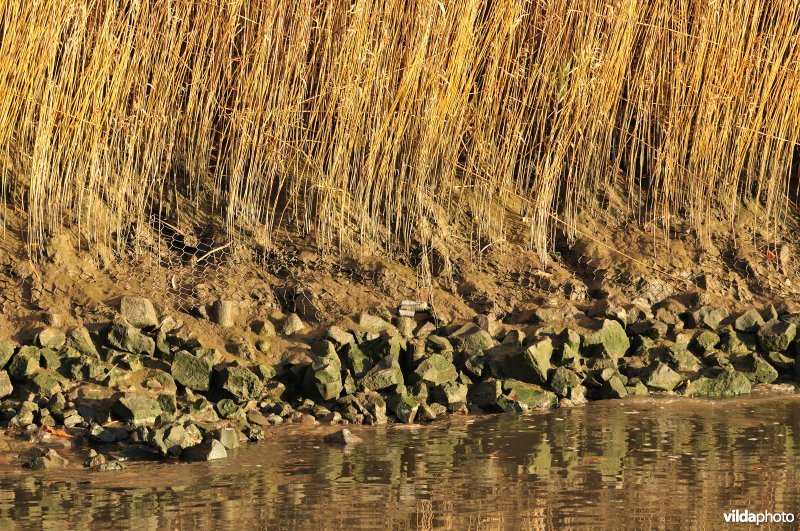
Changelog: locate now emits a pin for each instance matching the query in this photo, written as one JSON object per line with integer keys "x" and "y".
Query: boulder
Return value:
{"x": 705, "y": 341}
{"x": 224, "y": 313}
{"x": 727, "y": 383}
{"x": 138, "y": 409}
{"x": 138, "y": 311}
{"x": 681, "y": 359}
{"x": 563, "y": 380}
{"x": 749, "y": 322}
{"x": 51, "y": 338}
{"x": 404, "y": 407}
{"x": 661, "y": 377}
{"x": 531, "y": 365}
{"x": 385, "y": 374}
{"x": 343, "y": 437}
{"x": 756, "y": 369}
{"x": 227, "y": 408}
{"x": 529, "y": 396}
{"x": 451, "y": 394}
{"x": 355, "y": 360}
{"x": 609, "y": 340}
{"x": 5, "y": 385}
{"x": 205, "y": 451}
{"x": 240, "y": 383}
{"x": 435, "y": 370}
{"x": 775, "y": 335}
{"x": 128, "y": 338}
{"x": 7, "y": 349}
{"x": 471, "y": 339}
{"x": 614, "y": 388}
{"x": 46, "y": 383}
{"x": 292, "y": 325}
{"x": 191, "y": 371}
{"x": 323, "y": 383}
{"x": 486, "y": 393}
{"x": 24, "y": 363}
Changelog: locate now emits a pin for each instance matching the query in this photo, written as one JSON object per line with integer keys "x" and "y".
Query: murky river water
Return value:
{"x": 642, "y": 464}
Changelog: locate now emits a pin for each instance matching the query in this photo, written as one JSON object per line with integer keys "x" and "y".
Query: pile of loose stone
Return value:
{"x": 140, "y": 382}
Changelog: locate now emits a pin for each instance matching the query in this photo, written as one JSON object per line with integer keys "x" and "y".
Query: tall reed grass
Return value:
{"x": 389, "y": 125}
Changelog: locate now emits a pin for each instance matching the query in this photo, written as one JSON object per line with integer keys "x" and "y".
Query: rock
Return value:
{"x": 529, "y": 396}
{"x": 175, "y": 438}
{"x": 563, "y": 380}
{"x": 138, "y": 409}
{"x": 756, "y": 369}
{"x": 727, "y": 383}
{"x": 191, "y": 371}
{"x": 438, "y": 344}
{"x": 404, "y": 407}
{"x": 451, "y": 394}
{"x": 749, "y": 322}
{"x": 383, "y": 346}
{"x": 339, "y": 337}
{"x": 609, "y": 341}
{"x": 128, "y": 338}
{"x": 224, "y": 313}
{"x": 240, "y": 383}
{"x": 531, "y": 365}
{"x": 25, "y": 415}
{"x": 46, "y": 383}
{"x": 775, "y": 335}
{"x": 710, "y": 317}
{"x": 227, "y": 408}
{"x": 614, "y": 388}
{"x": 486, "y": 393}
{"x": 705, "y": 341}
{"x": 228, "y": 437}
{"x": 471, "y": 339}
{"x": 323, "y": 379}
{"x": 436, "y": 370}
{"x": 372, "y": 322}
{"x": 139, "y": 312}
{"x": 205, "y": 451}
{"x": 385, "y": 374}
{"x": 50, "y": 359}
{"x": 681, "y": 359}
{"x": 50, "y": 459}
{"x": 24, "y": 363}
{"x": 114, "y": 466}
{"x": 662, "y": 377}
{"x": 51, "y": 338}
{"x": 5, "y": 385}
{"x": 292, "y": 325}
{"x": 781, "y": 362}
{"x": 355, "y": 360}
{"x": 6, "y": 352}
{"x": 343, "y": 437}
{"x": 103, "y": 435}
{"x": 372, "y": 406}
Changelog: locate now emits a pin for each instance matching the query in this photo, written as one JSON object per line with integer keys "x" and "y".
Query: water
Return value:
{"x": 639, "y": 463}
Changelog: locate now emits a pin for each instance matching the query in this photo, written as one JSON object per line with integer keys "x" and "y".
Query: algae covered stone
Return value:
{"x": 661, "y": 377}
{"x": 775, "y": 335}
{"x": 192, "y": 371}
{"x": 240, "y": 383}
{"x": 727, "y": 383}
{"x": 609, "y": 340}
{"x": 436, "y": 370}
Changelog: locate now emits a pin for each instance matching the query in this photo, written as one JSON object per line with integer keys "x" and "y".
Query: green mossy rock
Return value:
{"x": 385, "y": 374}
{"x": 240, "y": 383}
{"x": 607, "y": 341}
{"x": 191, "y": 371}
{"x": 128, "y": 338}
{"x": 24, "y": 363}
{"x": 661, "y": 377}
{"x": 727, "y": 383}
{"x": 435, "y": 370}
{"x": 775, "y": 336}
{"x": 564, "y": 379}
{"x": 529, "y": 396}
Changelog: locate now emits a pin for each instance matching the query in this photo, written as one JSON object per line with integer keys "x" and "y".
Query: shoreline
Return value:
{"x": 139, "y": 383}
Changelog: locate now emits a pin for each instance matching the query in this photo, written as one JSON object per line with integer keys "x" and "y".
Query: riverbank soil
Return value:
{"x": 177, "y": 347}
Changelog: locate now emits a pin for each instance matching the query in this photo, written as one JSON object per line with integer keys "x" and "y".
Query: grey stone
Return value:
{"x": 205, "y": 451}
{"x": 339, "y": 336}
{"x": 705, "y": 341}
{"x": 51, "y": 338}
{"x": 292, "y": 325}
{"x": 451, "y": 394}
{"x": 355, "y": 360}
{"x": 228, "y": 437}
{"x": 191, "y": 371}
{"x": 240, "y": 383}
{"x": 138, "y": 409}
{"x": 7, "y": 349}
{"x": 372, "y": 322}
{"x": 471, "y": 339}
{"x": 749, "y": 322}
{"x": 775, "y": 335}
{"x": 24, "y": 363}
{"x": 385, "y": 374}
{"x": 609, "y": 340}
{"x": 727, "y": 383}
{"x": 436, "y": 370}
{"x": 5, "y": 385}
{"x": 486, "y": 393}
{"x": 661, "y": 377}
{"x": 529, "y": 396}
{"x": 562, "y": 380}
{"x": 342, "y": 437}
{"x": 224, "y": 313}
{"x": 139, "y": 312}
{"x": 128, "y": 338}
{"x": 46, "y": 383}
{"x": 404, "y": 407}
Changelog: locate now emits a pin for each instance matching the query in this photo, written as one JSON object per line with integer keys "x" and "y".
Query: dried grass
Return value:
{"x": 390, "y": 125}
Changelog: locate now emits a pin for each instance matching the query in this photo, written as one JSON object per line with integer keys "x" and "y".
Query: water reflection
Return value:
{"x": 640, "y": 463}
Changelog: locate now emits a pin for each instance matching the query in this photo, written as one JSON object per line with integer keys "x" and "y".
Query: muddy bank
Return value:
{"x": 144, "y": 387}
